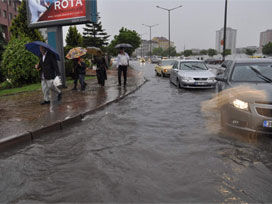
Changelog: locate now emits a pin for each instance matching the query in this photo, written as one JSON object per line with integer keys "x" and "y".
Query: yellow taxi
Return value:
{"x": 163, "y": 68}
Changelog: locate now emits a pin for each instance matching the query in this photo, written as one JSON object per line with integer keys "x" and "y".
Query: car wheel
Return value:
{"x": 156, "y": 73}
{"x": 162, "y": 75}
{"x": 178, "y": 84}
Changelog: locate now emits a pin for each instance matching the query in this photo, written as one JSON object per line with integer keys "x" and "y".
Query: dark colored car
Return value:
{"x": 247, "y": 109}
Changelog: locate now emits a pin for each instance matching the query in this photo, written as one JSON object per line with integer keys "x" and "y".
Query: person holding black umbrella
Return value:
{"x": 122, "y": 64}
{"x": 49, "y": 70}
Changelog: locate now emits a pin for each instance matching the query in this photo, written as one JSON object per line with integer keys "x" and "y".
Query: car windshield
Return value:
{"x": 167, "y": 62}
{"x": 252, "y": 73}
{"x": 192, "y": 66}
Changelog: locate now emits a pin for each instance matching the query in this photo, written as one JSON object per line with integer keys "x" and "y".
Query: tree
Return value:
{"x": 227, "y": 52}
{"x": 173, "y": 52}
{"x": 73, "y": 39}
{"x": 250, "y": 52}
{"x": 203, "y": 52}
{"x": 267, "y": 49}
{"x": 18, "y": 63}
{"x": 125, "y": 36}
{"x": 157, "y": 51}
{"x": 188, "y": 53}
{"x": 19, "y": 26}
{"x": 212, "y": 52}
{"x": 94, "y": 35}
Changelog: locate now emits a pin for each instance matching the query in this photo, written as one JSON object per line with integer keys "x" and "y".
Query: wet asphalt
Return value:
{"x": 156, "y": 145}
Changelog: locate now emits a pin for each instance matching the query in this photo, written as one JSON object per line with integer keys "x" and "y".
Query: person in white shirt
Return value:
{"x": 122, "y": 64}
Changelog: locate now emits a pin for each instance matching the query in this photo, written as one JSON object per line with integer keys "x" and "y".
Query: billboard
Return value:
{"x": 46, "y": 13}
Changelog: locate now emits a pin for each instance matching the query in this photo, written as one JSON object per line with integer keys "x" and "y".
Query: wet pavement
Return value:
{"x": 154, "y": 146}
{"x": 22, "y": 113}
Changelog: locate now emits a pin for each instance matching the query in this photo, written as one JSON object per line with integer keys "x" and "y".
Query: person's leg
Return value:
{"x": 45, "y": 90}
{"x": 119, "y": 75}
{"x": 75, "y": 84}
{"x": 125, "y": 75}
{"x": 81, "y": 81}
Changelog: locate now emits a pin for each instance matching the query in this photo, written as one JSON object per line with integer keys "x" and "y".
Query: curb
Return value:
{"x": 28, "y": 137}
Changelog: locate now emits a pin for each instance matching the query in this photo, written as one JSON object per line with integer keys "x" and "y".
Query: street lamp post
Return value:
{"x": 142, "y": 43}
{"x": 169, "y": 24}
{"x": 225, "y": 27}
{"x": 150, "y": 26}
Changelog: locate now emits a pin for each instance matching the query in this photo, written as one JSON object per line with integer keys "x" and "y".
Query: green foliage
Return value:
{"x": 94, "y": 35}
{"x": 203, "y": 52}
{"x": 125, "y": 36}
{"x": 173, "y": 52}
{"x": 18, "y": 63}
{"x": 188, "y": 53}
{"x": 73, "y": 37}
{"x": 157, "y": 51}
{"x": 19, "y": 26}
{"x": 250, "y": 52}
{"x": 227, "y": 52}
{"x": 212, "y": 52}
{"x": 267, "y": 49}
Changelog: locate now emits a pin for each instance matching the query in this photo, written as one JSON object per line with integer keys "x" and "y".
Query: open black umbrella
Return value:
{"x": 34, "y": 47}
{"x": 123, "y": 45}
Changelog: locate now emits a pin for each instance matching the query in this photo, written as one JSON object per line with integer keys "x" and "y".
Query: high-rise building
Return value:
{"x": 230, "y": 40}
{"x": 265, "y": 38}
{"x": 8, "y": 11}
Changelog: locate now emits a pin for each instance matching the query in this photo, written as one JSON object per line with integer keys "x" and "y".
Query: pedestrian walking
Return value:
{"x": 81, "y": 67}
{"x": 48, "y": 71}
{"x": 75, "y": 73}
{"x": 122, "y": 64}
{"x": 101, "y": 70}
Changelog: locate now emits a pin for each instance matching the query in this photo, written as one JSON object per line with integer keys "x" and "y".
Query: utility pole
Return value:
{"x": 150, "y": 26}
{"x": 225, "y": 28}
{"x": 169, "y": 10}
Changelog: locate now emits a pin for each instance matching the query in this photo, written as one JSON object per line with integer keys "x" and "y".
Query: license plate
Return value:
{"x": 267, "y": 123}
{"x": 200, "y": 83}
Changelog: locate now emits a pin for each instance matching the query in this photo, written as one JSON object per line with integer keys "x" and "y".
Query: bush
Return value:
{"x": 18, "y": 64}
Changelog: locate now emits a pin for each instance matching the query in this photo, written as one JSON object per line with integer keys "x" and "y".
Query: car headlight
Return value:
{"x": 240, "y": 104}
{"x": 165, "y": 70}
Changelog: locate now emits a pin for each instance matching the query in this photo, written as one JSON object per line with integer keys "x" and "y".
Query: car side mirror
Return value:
{"x": 223, "y": 65}
{"x": 220, "y": 78}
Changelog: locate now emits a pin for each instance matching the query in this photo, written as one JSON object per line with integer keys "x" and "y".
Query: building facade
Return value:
{"x": 163, "y": 42}
{"x": 265, "y": 38}
{"x": 230, "y": 40}
{"x": 144, "y": 49}
{"x": 8, "y": 11}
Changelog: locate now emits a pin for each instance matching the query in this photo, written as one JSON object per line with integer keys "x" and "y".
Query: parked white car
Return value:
{"x": 192, "y": 74}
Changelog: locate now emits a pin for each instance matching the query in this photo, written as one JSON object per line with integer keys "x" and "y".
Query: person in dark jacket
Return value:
{"x": 101, "y": 70}
{"x": 75, "y": 73}
{"x": 81, "y": 67}
{"x": 49, "y": 70}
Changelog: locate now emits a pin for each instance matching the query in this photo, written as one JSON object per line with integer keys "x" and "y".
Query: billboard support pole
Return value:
{"x": 55, "y": 39}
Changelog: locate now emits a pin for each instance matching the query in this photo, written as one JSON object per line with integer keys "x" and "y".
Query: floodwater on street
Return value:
{"x": 153, "y": 146}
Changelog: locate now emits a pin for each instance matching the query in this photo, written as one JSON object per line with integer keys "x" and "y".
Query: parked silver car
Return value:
{"x": 192, "y": 74}
{"x": 247, "y": 109}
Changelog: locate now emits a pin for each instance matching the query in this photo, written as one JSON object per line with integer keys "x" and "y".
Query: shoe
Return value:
{"x": 74, "y": 89}
{"x": 59, "y": 96}
{"x": 45, "y": 102}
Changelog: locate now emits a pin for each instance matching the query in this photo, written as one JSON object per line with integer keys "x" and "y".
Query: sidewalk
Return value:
{"x": 23, "y": 119}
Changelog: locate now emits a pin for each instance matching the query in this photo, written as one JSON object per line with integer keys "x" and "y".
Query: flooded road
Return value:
{"x": 153, "y": 146}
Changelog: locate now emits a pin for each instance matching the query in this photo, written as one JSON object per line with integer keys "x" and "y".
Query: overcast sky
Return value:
{"x": 193, "y": 25}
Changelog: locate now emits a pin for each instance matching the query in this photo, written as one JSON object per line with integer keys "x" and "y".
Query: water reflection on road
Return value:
{"x": 153, "y": 146}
